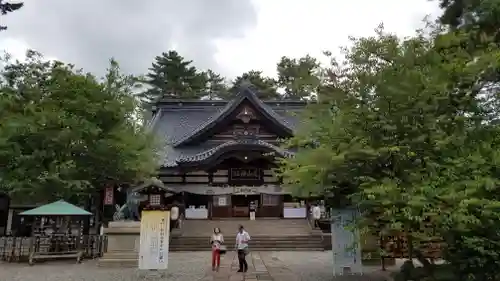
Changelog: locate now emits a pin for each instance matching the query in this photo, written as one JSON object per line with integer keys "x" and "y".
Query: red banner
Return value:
{"x": 109, "y": 196}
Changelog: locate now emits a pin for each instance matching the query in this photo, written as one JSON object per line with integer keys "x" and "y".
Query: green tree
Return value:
{"x": 6, "y": 7}
{"x": 405, "y": 128}
{"x": 216, "y": 85}
{"x": 265, "y": 86}
{"x": 172, "y": 76}
{"x": 478, "y": 17}
{"x": 298, "y": 77}
{"x": 65, "y": 133}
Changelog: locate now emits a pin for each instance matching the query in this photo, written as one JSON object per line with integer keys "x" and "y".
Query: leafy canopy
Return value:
{"x": 406, "y": 130}
{"x": 65, "y": 133}
{"x": 7, "y": 7}
{"x": 299, "y": 78}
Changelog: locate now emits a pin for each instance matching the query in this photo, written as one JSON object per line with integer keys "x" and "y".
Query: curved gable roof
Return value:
{"x": 234, "y": 145}
{"x": 245, "y": 94}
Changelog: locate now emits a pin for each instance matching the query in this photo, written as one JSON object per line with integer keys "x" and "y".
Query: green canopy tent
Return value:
{"x": 58, "y": 208}
{"x": 57, "y": 246}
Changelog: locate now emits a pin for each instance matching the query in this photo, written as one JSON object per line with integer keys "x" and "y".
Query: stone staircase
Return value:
{"x": 123, "y": 245}
{"x": 266, "y": 234}
{"x": 124, "y": 258}
{"x": 269, "y": 227}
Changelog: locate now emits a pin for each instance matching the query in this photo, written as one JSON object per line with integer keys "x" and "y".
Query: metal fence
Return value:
{"x": 18, "y": 249}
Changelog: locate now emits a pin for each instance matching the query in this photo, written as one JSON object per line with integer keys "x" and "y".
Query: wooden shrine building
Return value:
{"x": 220, "y": 154}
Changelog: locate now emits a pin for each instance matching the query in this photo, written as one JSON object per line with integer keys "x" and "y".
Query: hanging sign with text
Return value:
{"x": 245, "y": 190}
{"x": 109, "y": 196}
{"x": 245, "y": 174}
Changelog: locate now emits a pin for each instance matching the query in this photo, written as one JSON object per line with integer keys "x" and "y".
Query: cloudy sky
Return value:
{"x": 229, "y": 36}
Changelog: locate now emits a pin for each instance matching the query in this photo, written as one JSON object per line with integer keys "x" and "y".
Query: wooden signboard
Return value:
{"x": 109, "y": 196}
{"x": 245, "y": 174}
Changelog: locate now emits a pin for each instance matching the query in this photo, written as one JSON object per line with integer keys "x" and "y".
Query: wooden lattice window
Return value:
{"x": 270, "y": 200}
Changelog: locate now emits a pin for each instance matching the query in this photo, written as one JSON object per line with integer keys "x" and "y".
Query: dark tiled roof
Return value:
{"x": 246, "y": 93}
{"x": 178, "y": 120}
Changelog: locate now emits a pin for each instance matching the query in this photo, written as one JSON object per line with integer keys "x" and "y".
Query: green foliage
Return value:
{"x": 298, "y": 77}
{"x": 478, "y": 17}
{"x": 407, "y": 124}
{"x": 266, "y": 86}
{"x": 7, "y": 7}
{"x": 65, "y": 133}
{"x": 172, "y": 76}
{"x": 216, "y": 86}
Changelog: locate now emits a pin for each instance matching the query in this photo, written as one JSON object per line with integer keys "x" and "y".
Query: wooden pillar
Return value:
{"x": 282, "y": 205}
{"x": 210, "y": 205}
{"x": 183, "y": 203}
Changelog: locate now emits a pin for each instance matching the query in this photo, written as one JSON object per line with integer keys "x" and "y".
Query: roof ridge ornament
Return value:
{"x": 246, "y": 87}
{"x": 246, "y": 115}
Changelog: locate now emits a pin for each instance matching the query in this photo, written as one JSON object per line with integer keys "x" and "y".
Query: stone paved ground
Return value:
{"x": 194, "y": 266}
{"x": 182, "y": 267}
{"x": 317, "y": 266}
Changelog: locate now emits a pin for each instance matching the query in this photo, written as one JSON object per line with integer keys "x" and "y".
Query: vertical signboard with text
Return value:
{"x": 346, "y": 246}
{"x": 109, "y": 195}
{"x": 154, "y": 240}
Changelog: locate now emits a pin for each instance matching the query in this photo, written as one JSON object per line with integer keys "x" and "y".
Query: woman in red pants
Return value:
{"x": 217, "y": 240}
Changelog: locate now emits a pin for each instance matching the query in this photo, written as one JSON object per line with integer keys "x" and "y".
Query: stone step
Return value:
{"x": 253, "y": 242}
{"x": 256, "y": 237}
{"x": 305, "y": 242}
{"x": 258, "y": 243}
{"x": 274, "y": 249}
{"x": 122, "y": 263}
{"x": 283, "y": 246}
{"x": 124, "y": 255}
{"x": 257, "y": 227}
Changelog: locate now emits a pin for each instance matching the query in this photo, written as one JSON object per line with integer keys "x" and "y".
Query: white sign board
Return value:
{"x": 345, "y": 243}
{"x": 153, "y": 248}
{"x": 222, "y": 201}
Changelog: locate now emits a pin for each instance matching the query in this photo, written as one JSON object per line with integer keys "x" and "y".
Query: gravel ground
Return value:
{"x": 182, "y": 267}
{"x": 317, "y": 266}
{"x": 192, "y": 266}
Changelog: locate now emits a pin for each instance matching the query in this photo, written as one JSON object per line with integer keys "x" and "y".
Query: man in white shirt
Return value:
{"x": 316, "y": 212}
{"x": 253, "y": 208}
{"x": 174, "y": 216}
{"x": 242, "y": 239}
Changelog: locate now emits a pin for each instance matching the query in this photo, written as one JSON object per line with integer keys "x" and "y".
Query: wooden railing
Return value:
{"x": 20, "y": 248}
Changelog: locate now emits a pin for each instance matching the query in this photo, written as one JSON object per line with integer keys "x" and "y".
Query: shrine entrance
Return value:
{"x": 241, "y": 204}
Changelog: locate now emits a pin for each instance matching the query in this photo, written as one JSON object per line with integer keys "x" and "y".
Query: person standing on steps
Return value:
{"x": 216, "y": 240}
{"x": 174, "y": 216}
{"x": 316, "y": 212}
{"x": 252, "y": 208}
{"x": 242, "y": 239}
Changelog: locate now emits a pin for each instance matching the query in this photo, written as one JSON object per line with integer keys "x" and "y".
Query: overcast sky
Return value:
{"x": 229, "y": 36}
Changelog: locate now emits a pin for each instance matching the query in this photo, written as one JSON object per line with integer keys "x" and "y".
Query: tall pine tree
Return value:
{"x": 216, "y": 86}
{"x": 172, "y": 76}
{"x": 7, "y": 8}
{"x": 266, "y": 86}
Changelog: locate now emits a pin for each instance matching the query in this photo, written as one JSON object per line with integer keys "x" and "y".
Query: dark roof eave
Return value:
{"x": 204, "y": 103}
{"x": 241, "y": 145}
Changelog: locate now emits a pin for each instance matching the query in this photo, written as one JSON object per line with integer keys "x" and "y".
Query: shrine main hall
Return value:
{"x": 219, "y": 155}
